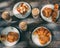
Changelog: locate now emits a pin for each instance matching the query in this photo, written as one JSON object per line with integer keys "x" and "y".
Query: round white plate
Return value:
{"x": 17, "y": 14}
{"x": 45, "y": 18}
{"x": 35, "y": 39}
{"x": 6, "y": 31}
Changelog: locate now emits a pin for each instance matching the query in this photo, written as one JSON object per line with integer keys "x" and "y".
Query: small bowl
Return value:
{"x": 45, "y": 18}
{"x": 17, "y": 14}
{"x": 36, "y": 41}
{"x": 6, "y": 31}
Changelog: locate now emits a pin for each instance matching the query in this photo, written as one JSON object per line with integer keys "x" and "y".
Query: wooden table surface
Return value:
{"x": 25, "y": 40}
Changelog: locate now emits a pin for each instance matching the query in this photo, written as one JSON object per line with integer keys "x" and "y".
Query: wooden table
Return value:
{"x": 25, "y": 40}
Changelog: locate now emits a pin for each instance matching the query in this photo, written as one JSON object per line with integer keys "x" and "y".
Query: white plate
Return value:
{"x": 45, "y": 18}
{"x": 17, "y": 14}
{"x": 35, "y": 38}
{"x": 6, "y": 31}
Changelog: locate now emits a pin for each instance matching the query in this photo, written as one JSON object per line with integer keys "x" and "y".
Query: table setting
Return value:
{"x": 30, "y": 24}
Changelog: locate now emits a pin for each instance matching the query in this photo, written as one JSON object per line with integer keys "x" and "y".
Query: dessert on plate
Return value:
{"x": 50, "y": 12}
{"x": 41, "y": 36}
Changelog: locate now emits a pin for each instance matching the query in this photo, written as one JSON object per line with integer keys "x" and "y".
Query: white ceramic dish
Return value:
{"x": 35, "y": 39}
{"x": 17, "y": 14}
{"x": 6, "y": 31}
{"x": 45, "y": 18}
